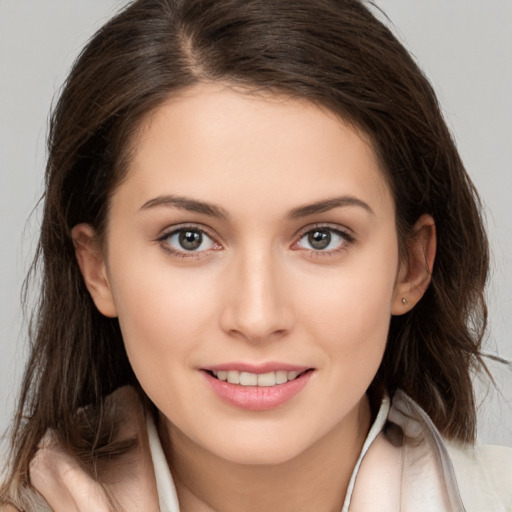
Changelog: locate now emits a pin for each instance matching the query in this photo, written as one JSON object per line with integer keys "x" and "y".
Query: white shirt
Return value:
{"x": 405, "y": 465}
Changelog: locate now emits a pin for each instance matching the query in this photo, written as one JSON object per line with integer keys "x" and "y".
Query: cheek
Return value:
{"x": 353, "y": 324}
{"x": 163, "y": 314}
{"x": 351, "y": 311}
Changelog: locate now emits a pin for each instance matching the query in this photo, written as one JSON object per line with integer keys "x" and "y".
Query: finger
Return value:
{"x": 64, "y": 484}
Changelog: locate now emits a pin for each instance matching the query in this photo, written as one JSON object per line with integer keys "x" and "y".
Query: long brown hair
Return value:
{"x": 334, "y": 53}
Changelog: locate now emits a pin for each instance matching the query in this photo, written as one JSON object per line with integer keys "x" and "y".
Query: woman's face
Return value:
{"x": 253, "y": 237}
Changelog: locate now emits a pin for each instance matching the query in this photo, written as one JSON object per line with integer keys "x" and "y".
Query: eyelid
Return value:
{"x": 171, "y": 230}
{"x": 342, "y": 230}
{"x": 345, "y": 233}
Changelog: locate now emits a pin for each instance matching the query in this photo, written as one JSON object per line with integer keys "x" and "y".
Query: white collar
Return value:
{"x": 168, "y": 498}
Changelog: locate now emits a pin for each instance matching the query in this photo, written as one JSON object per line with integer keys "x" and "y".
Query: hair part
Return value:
{"x": 333, "y": 53}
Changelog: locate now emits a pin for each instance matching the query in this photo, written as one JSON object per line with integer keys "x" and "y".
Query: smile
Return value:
{"x": 268, "y": 379}
{"x": 257, "y": 391}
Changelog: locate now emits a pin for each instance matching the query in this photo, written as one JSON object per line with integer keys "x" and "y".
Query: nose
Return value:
{"x": 257, "y": 305}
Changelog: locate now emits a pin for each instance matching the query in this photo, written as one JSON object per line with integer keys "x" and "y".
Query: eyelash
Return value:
{"x": 348, "y": 239}
{"x": 163, "y": 240}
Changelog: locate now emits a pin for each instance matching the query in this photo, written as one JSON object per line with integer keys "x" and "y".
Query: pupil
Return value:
{"x": 319, "y": 239}
{"x": 190, "y": 240}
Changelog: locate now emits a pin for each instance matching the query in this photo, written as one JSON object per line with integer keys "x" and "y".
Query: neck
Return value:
{"x": 316, "y": 479}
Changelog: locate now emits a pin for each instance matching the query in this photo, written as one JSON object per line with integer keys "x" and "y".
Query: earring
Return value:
{"x": 404, "y": 301}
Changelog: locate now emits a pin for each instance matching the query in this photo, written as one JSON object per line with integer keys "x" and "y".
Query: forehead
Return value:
{"x": 220, "y": 145}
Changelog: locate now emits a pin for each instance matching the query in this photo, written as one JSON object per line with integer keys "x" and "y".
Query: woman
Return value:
{"x": 263, "y": 275}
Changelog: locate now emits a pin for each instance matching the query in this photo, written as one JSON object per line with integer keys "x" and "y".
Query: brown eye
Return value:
{"x": 319, "y": 239}
{"x": 190, "y": 240}
{"x": 324, "y": 239}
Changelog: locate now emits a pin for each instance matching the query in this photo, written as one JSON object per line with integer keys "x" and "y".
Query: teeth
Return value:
{"x": 256, "y": 379}
{"x": 267, "y": 379}
{"x": 234, "y": 377}
{"x": 248, "y": 379}
{"x": 281, "y": 377}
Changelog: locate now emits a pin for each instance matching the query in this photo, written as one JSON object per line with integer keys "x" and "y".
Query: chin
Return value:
{"x": 261, "y": 455}
{"x": 262, "y": 449}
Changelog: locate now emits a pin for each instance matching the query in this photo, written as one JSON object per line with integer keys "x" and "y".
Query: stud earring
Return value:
{"x": 404, "y": 301}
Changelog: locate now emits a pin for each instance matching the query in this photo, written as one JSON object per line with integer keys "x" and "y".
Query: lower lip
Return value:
{"x": 257, "y": 398}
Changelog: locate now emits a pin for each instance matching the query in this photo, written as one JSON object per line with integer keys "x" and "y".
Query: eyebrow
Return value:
{"x": 192, "y": 205}
{"x": 329, "y": 204}
{"x": 185, "y": 203}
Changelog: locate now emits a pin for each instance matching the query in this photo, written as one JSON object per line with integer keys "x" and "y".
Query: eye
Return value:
{"x": 187, "y": 240}
{"x": 324, "y": 239}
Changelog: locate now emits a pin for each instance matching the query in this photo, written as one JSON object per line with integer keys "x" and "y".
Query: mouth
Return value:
{"x": 257, "y": 391}
{"x": 268, "y": 379}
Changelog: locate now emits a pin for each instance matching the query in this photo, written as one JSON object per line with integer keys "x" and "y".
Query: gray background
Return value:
{"x": 464, "y": 46}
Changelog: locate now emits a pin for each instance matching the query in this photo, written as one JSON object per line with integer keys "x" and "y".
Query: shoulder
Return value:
{"x": 484, "y": 474}
{"x": 477, "y": 478}
{"x": 60, "y": 481}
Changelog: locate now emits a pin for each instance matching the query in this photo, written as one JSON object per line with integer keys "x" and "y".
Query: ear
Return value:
{"x": 91, "y": 261}
{"x": 415, "y": 272}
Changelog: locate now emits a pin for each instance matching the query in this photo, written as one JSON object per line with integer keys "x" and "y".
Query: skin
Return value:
{"x": 255, "y": 291}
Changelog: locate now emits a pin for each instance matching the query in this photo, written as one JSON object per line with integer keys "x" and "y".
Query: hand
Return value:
{"x": 58, "y": 477}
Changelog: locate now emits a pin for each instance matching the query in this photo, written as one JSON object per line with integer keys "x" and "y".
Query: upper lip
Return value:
{"x": 270, "y": 366}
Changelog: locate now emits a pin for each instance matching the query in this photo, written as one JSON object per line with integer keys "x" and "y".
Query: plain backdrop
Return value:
{"x": 464, "y": 46}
